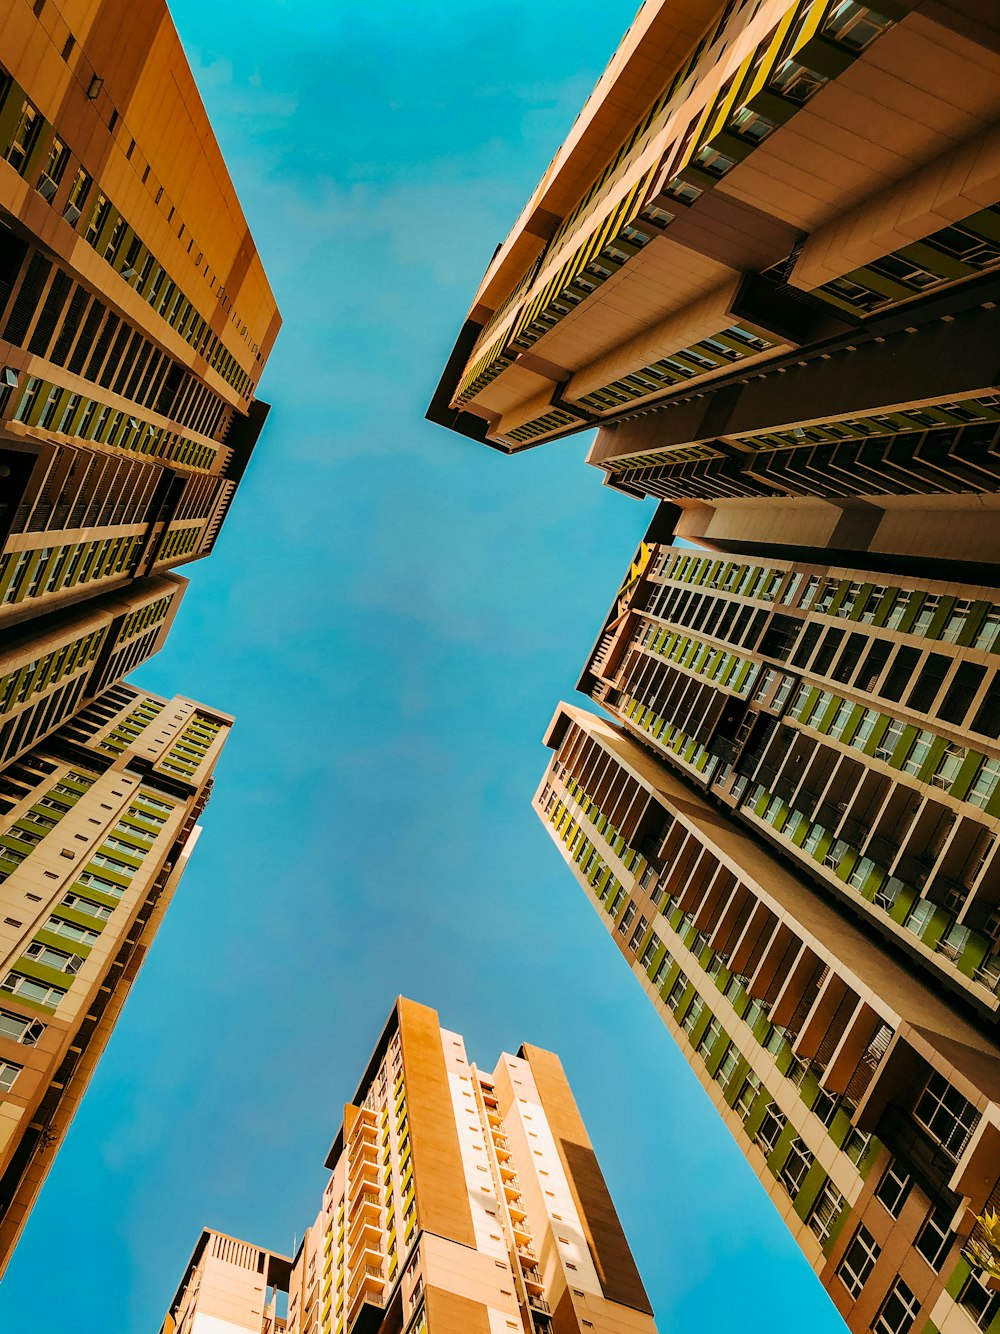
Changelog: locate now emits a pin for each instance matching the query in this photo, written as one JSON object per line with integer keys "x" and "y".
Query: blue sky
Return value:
{"x": 392, "y": 613}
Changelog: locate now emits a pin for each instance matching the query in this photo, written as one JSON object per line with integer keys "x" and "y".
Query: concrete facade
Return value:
{"x": 459, "y": 1202}
{"x": 849, "y": 717}
{"x": 866, "y": 1103}
{"x": 97, "y": 823}
{"x": 135, "y": 316}
{"x": 765, "y": 266}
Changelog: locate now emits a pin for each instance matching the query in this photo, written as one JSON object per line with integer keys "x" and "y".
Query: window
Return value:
{"x": 955, "y": 624}
{"x": 935, "y": 1237}
{"x": 727, "y": 1066}
{"x": 20, "y": 1029}
{"x": 708, "y": 1039}
{"x": 984, "y": 784}
{"x": 795, "y": 1167}
{"x": 825, "y": 1212}
{"x": 860, "y": 872}
{"x": 19, "y": 985}
{"x": 840, "y": 719}
{"x": 948, "y": 765}
{"x": 986, "y": 635}
{"x": 893, "y": 1189}
{"x": 947, "y": 1117}
{"x": 897, "y": 611}
{"x": 747, "y": 1095}
{"x": 751, "y": 125}
{"x": 649, "y": 953}
{"x": 55, "y": 165}
{"x": 890, "y": 737}
{"x": 662, "y": 969}
{"x": 82, "y": 934}
{"x": 899, "y": 1311}
{"x": 29, "y": 122}
{"x": 859, "y": 1261}
{"x": 916, "y": 756}
{"x": 637, "y": 934}
{"x": 677, "y": 992}
{"x": 694, "y": 1013}
{"x": 919, "y": 915}
{"x": 8, "y": 1074}
{"x": 981, "y": 1304}
{"x": 853, "y": 25}
{"x": 62, "y": 961}
{"x": 769, "y": 1131}
{"x": 795, "y": 82}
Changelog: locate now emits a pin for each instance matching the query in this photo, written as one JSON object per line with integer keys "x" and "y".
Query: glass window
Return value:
{"x": 796, "y": 82}
{"x": 985, "y": 783}
{"x": 935, "y": 1237}
{"x": 708, "y": 1040}
{"x": 29, "y": 122}
{"x": 796, "y": 1165}
{"x": 948, "y": 765}
{"x": 988, "y": 631}
{"x": 19, "y": 985}
{"x": 8, "y": 1075}
{"x": 978, "y": 1302}
{"x": 854, "y": 25}
{"x": 890, "y": 738}
{"x": 677, "y": 992}
{"x": 859, "y": 1261}
{"x": 769, "y": 1131}
{"x": 946, "y": 1115}
{"x": 694, "y": 1012}
{"x": 893, "y": 1189}
{"x": 727, "y": 1067}
{"x": 899, "y": 1311}
{"x": 19, "y": 1028}
{"x": 747, "y": 1095}
{"x": 825, "y": 1212}
{"x": 916, "y": 756}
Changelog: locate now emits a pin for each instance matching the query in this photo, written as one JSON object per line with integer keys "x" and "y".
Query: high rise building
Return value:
{"x": 849, "y": 718}
{"x": 764, "y": 265}
{"x": 97, "y": 822}
{"x": 459, "y": 1201}
{"x": 135, "y": 317}
{"x": 866, "y": 1102}
{"x": 229, "y": 1287}
{"x": 55, "y": 665}
{"x": 135, "y": 321}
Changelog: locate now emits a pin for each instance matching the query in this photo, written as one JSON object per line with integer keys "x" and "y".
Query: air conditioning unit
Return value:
{"x": 72, "y": 214}
{"x": 47, "y": 187}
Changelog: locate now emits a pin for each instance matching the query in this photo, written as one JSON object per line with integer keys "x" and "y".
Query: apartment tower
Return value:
{"x": 866, "y": 1101}
{"x": 764, "y": 266}
{"x": 459, "y": 1201}
{"x": 135, "y": 322}
{"x": 135, "y": 317}
{"x": 96, "y": 826}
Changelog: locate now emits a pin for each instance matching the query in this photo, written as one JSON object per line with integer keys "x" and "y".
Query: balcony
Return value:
{"x": 532, "y": 1279}
{"x": 927, "y": 1161}
{"x": 538, "y": 1303}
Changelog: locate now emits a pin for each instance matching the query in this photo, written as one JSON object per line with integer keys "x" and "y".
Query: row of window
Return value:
{"x": 48, "y": 669}
{"x": 43, "y": 570}
{"x": 107, "y": 232}
{"x": 881, "y": 889}
{"x": 52, "y": 408}
{"x": 898, "y": 744}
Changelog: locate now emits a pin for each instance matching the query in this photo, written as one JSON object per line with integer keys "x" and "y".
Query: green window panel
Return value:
{"x": 52, "y": 977}
{"x": 60, "y": 943}
{"x": 806, "y": 1196}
